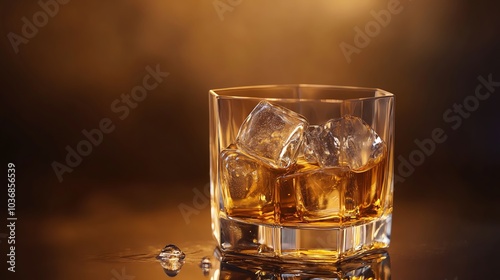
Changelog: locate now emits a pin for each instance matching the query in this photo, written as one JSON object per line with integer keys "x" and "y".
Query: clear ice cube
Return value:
{"x": 273, "y": 134}
{"x": 247, "y": 185}
{"x": 310, "y": 135}
{"x": 347, "y": 141}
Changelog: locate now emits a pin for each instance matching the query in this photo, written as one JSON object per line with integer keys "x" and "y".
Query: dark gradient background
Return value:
{"x": 65, "y": 78}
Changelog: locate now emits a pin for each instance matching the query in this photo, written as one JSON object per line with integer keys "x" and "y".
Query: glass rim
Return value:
{"x": 225, "y": 93}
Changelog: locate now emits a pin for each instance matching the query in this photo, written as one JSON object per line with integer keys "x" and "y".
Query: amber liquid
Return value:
{"x": 304, "y": 195}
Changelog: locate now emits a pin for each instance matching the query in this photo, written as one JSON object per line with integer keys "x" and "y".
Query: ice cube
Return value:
{"x": 319, "y": 194}
{"x": 273, "y": 134}
{"x": 247, "y": 185}
{"x": 325, "y": 143}
{"x": 286, "y": 196}
{"x": 310, "y": 135}
{"x": 347, "y": 141}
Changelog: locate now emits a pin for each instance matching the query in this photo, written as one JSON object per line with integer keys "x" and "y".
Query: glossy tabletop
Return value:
{"x": 117, "y": 235}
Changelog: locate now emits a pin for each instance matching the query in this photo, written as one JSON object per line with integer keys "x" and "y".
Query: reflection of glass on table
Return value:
{"x": 375, "y": 266}
{"x": 301, "y": 172}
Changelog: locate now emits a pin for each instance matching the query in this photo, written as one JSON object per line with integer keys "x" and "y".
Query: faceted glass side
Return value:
{"x": 247, "y": 186}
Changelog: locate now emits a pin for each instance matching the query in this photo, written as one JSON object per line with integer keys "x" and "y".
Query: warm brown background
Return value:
{"x": 65, "y": 78}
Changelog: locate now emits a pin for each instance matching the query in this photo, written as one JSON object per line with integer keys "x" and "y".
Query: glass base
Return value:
{"x": 373, "y": 265}
{"x": 303, "y": 244}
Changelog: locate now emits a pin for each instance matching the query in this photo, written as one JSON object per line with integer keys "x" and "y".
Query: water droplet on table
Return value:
{"x": 205, "y": 265}
{"x": 171, "y": 259}
{"x": 171, "y": 252}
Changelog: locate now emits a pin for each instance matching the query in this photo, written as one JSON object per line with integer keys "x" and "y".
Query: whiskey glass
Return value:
{"x": 301, "y": 172}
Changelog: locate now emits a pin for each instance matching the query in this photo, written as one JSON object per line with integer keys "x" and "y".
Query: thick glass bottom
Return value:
{"x": 303, "y": 243}
{"x": 373, "y": 265}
